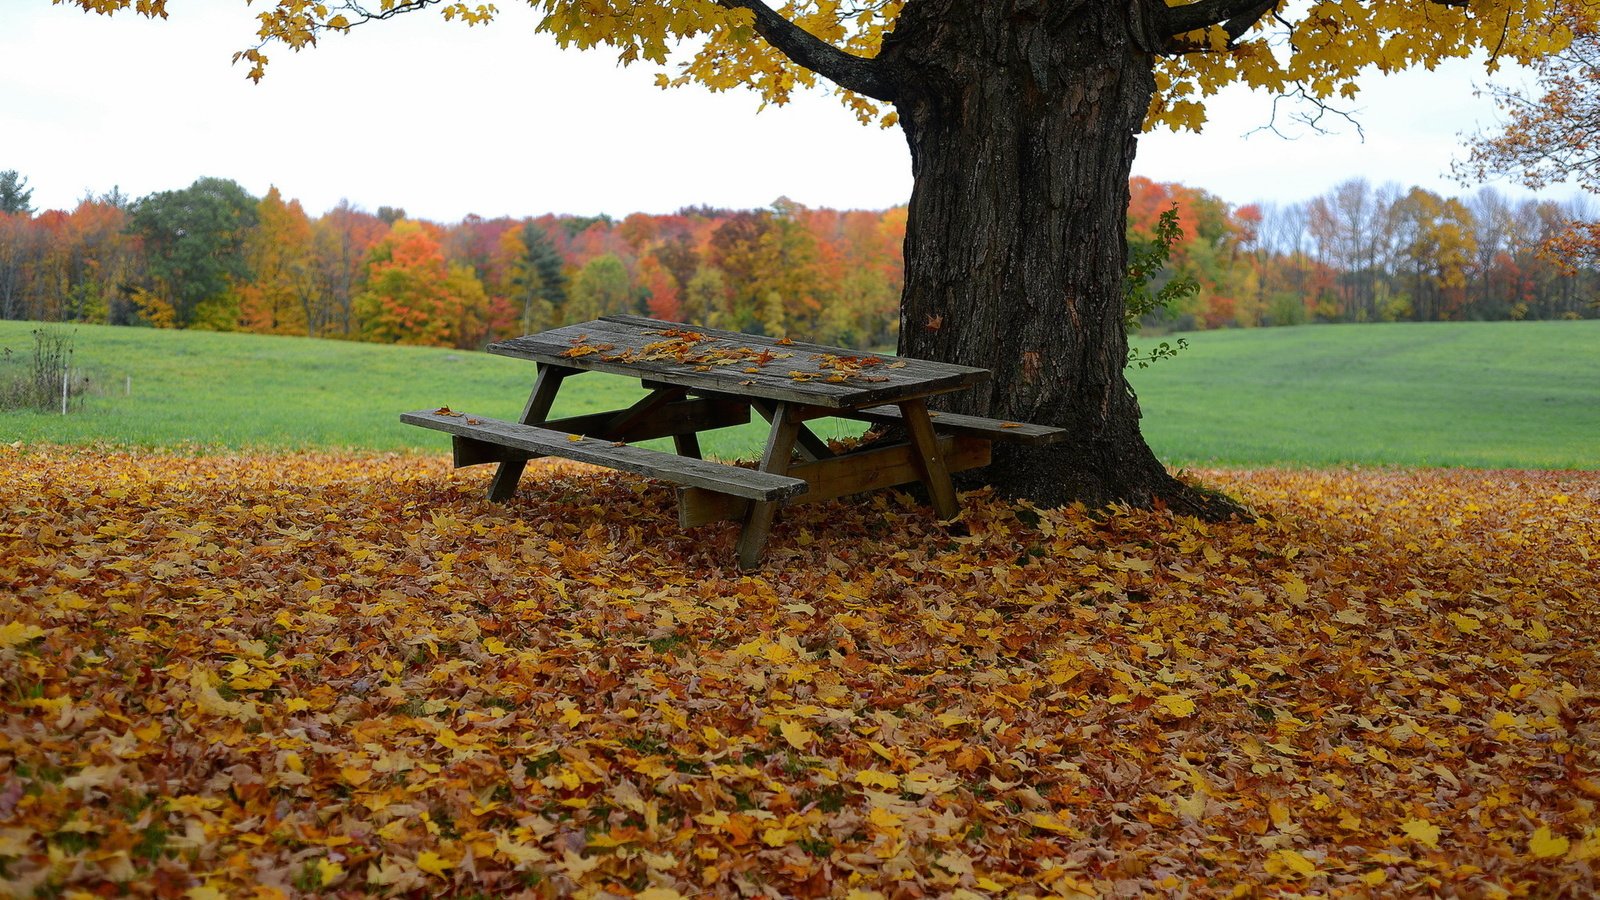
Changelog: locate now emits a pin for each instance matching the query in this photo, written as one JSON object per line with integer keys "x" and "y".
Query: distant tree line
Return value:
{"x": 212, "y": 256}
{"x": 1361, "y": 253}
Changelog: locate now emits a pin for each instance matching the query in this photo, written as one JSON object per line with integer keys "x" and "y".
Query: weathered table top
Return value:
{"x": 726, "y": 362}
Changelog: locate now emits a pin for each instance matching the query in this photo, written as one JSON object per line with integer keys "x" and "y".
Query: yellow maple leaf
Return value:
{"x": 1422, "y": 831}
{"x": 1173, "y": 706}
{"x": 1192, "y": 806}
{"x": 208, "y": 700}
{"x": 1545, "y": 845}
{"x": 1296, "y": 588}
{"x": 798, "y": 735}
{"x": 872, "y": 778}
{"x": 517, "y": 853}
{"x": 1291, "y": 861}
{"x": 329, "y": 872}
{"x": 1278, "y": 813}
{"x": 14, "y": 633}
{"x": 885, "y": 820}
{"x": 355, "y": 775}
{"x": 434, "y": 864}
{"x": 1051, "y": 823}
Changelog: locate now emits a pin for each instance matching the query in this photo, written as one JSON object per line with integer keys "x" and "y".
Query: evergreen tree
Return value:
{"x": 15, "y": 195}
{"x": 539, "y": 272}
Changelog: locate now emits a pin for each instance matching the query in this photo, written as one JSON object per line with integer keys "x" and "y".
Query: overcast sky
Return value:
{"x": 446, "y": 120}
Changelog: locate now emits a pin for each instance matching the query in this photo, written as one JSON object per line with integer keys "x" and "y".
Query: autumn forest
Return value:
{"x": 212, "y": 256}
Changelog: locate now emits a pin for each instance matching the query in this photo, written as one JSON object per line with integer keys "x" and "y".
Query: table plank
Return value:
{"x": 891, "y": 381}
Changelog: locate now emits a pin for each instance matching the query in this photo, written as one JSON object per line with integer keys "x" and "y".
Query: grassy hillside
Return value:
{"x": 1502, "y": 394}
{"x": 1468, "y": 394}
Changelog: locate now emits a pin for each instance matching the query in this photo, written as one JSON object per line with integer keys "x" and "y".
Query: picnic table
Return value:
{"x": 699, "y": 379}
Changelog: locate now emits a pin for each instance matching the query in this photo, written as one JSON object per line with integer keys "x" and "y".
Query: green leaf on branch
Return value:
{"x": 1146, "y": 261}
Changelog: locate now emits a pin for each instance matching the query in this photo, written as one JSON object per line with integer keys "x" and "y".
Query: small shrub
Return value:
{"x": 36, "y": 382}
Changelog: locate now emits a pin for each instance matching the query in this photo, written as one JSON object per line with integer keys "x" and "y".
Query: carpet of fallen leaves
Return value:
{"x": 347, "y": 674}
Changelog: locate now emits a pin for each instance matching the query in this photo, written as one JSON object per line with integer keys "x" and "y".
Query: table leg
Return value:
{"x": 775, "y": 459}
{"x": 687, "y": 445}
{"x": 934, "y": 474}
{"x": 537, "y": 410}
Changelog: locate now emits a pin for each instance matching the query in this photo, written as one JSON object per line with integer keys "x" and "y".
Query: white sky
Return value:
{"x": 446, "y": 120}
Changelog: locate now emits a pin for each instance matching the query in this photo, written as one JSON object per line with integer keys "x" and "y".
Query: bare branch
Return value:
{"x": 400, "y": 8}
{"x": 853, "y": 73}
{"x": 1312, "y": 117}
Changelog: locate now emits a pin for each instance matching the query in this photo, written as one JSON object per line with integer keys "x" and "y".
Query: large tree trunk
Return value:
{"x": 1022, "y": 116}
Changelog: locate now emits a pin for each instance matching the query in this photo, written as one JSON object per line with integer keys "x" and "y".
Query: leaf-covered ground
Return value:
{"x": 330, "y": 674}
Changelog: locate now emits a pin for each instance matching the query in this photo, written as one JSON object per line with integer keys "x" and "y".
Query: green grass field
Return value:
{"x": 1477, "y": 394}
{"x": 1513, "y": 395}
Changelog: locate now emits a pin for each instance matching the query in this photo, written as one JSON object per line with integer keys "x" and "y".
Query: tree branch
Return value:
{"x": 853, "y": 73}
{"x": 1235, "y": 16}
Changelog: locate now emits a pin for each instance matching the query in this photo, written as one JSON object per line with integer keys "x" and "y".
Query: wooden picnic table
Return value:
{"x": 699, "y": 379}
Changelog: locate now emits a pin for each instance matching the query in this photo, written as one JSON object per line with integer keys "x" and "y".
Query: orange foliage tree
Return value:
{"x": 413, "y": 296}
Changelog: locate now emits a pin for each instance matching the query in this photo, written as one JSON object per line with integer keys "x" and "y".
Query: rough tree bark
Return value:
{"x": 1022, "y": 118}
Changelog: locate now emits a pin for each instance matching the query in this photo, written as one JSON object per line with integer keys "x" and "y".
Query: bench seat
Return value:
{"x": 974, "y": 426}
{"x": 750, "y": 484}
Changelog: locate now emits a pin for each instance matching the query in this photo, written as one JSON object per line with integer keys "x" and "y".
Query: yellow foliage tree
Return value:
{"x": 279, "y": 252}
{"x": 1022, "y": 118}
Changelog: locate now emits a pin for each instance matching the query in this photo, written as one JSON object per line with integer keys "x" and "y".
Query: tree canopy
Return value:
{"x": 1314, "y": 51}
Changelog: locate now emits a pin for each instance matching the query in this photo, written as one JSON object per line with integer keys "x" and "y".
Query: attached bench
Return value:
{"x": 480, "y": 439}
